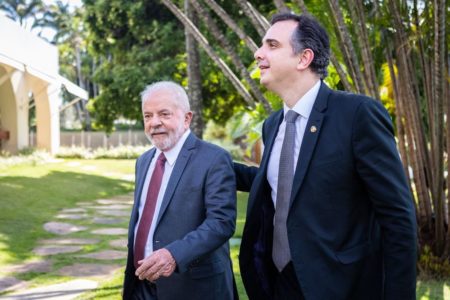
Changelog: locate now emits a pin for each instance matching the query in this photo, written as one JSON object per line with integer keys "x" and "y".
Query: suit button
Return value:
{"x": 156, "y": 241}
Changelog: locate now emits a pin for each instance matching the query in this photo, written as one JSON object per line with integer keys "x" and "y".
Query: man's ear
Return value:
{"x": 188, "y": 118}
{"x": 305, "y": 59}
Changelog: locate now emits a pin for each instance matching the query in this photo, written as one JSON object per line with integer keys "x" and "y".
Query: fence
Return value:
{"x": 95, "y": 140}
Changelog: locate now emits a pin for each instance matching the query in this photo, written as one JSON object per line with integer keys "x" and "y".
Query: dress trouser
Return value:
{"x": 287, "y": 286}
{"x": 144, "y": 290}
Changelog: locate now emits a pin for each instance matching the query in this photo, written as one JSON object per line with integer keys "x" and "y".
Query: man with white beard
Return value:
{"x": 184, "y": 207}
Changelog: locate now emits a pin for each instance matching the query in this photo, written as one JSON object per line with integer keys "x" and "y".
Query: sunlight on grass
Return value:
{"x": 433, "y": 290}
{"x": 5, "y": 256}
{"x": 241, "y": 211}
{"x": 46, "y": 189}
{"x": 110, "y": 290}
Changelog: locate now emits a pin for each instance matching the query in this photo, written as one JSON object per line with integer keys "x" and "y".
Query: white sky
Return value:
{"x": 71, "y": 2}
{"x": 49, "y": 33}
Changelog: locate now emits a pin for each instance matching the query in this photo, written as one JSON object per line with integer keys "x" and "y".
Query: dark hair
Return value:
{"x": 309, "y": 34}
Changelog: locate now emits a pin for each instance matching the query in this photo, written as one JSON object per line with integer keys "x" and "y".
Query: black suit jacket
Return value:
{"x": 351, "y": 224}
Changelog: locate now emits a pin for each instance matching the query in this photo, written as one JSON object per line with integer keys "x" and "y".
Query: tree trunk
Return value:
{"x": 215, "y": 31}
{"x": 86, "y": 119}
{"x": 210, "y": 51}
{"x": 349, "y": 52}
{"x": 232, "y": 24}
{"x": 419, "y": 155}
{"x": 302, "y": 6}
{"x": 342, "y": 75}
{"x": 194, "y": 75}
{"x": 438, "y": 136}
{"x": 357, "y": 12}
{"x": 259, "y": 22}
{"x": 281, "y": 6}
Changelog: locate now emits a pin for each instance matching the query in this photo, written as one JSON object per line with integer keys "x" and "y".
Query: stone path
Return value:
{"x": 76, "y": 231}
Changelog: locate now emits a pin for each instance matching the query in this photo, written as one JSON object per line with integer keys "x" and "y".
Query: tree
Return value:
{"x": 194, "y": 75}
{"x": 409, "y": 39}
{"x": 26, "y": 13}
{"x": 133, "y": 43}
{"x": 70, "y": 37}
{"x": 398, "y": 46}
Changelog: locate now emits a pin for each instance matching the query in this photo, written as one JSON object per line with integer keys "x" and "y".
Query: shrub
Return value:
{"x": 26, "y": 156}
{"x": 431, "y": 266}
{"x": 121, "y": 152}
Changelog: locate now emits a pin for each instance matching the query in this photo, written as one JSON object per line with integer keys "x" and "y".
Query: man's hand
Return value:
{"x": 159, "y": 263}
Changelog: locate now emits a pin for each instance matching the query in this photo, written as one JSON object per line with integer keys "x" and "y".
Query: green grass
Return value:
{"x": 33, "y": 194}
{"x": 241, "y": 211}
{"x": 433, "y": 289}
{"x": 110, "y": 290}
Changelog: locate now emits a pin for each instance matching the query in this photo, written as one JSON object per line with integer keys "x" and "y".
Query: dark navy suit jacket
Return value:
{"x": 196, "y": 219}
{"x": 351, "y": 224}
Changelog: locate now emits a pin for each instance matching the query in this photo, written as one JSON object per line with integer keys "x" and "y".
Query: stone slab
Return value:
{"x": 70, "y": 241}
{"x": 72, "y": 216}
{"x": 88, "y": 270}
{"x": 73, "y": 210}
{"x": 114, "y": 213}
{"x": 107, "y": 220}
{"x": 111, "y": 207}
{"x": 52, "y": 250}
{"x": 120, "y": 243}
{"x": 10, "y": 283}
{"x": 62, "y": 228}
{"x": 115, "y": 201}
{"x": 62, "y": 291}
{"x": 42, "y": 266}
{"x": 111, "y": 231}
{"x": 105, "y": 255}
{"x": 123, "y": 197}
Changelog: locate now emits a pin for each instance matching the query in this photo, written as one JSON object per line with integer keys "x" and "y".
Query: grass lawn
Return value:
{"x": 31, "y": 195}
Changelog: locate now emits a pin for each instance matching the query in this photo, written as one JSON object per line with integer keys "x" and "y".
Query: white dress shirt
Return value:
{"x": 171, "y": 157}
{"x": 303, "y": 107}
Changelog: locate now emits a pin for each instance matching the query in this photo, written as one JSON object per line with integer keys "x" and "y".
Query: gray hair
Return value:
{"x": 179, "y": 93}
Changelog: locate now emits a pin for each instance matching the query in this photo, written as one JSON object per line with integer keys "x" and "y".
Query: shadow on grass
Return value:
{"x": 28, "y": 203}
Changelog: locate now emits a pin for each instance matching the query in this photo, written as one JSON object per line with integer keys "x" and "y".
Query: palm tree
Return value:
{"x": 27, "y": 13}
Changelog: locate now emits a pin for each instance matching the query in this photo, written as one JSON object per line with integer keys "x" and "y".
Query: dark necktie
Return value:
{"x": 281, "y": 254}
{"x": 149, "y": 209}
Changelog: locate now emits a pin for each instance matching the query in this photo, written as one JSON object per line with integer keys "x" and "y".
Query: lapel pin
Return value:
{"x": 313, "y": 129}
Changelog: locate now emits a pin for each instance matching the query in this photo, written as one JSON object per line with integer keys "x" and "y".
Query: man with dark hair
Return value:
{"x": 330, "y": 214}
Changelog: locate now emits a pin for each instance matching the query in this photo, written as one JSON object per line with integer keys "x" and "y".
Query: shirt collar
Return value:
{"x": 305, "y": 104}
{"x": 172, "y": 154}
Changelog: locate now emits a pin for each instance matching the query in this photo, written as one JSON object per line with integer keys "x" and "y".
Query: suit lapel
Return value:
{"x": 312, "y": 132}
{"x": 270, "y": 139}
{"x": 180, "y": 165}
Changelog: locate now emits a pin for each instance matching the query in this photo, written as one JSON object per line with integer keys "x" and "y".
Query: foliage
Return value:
{"x": 220, "y": 136}
{"x": 121, "y": 152}
{"x": 29, "y": 13}
{"x": 136, "y": 43}
{"x": 28, "y": 156}
{"x": 431, "y": 266}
